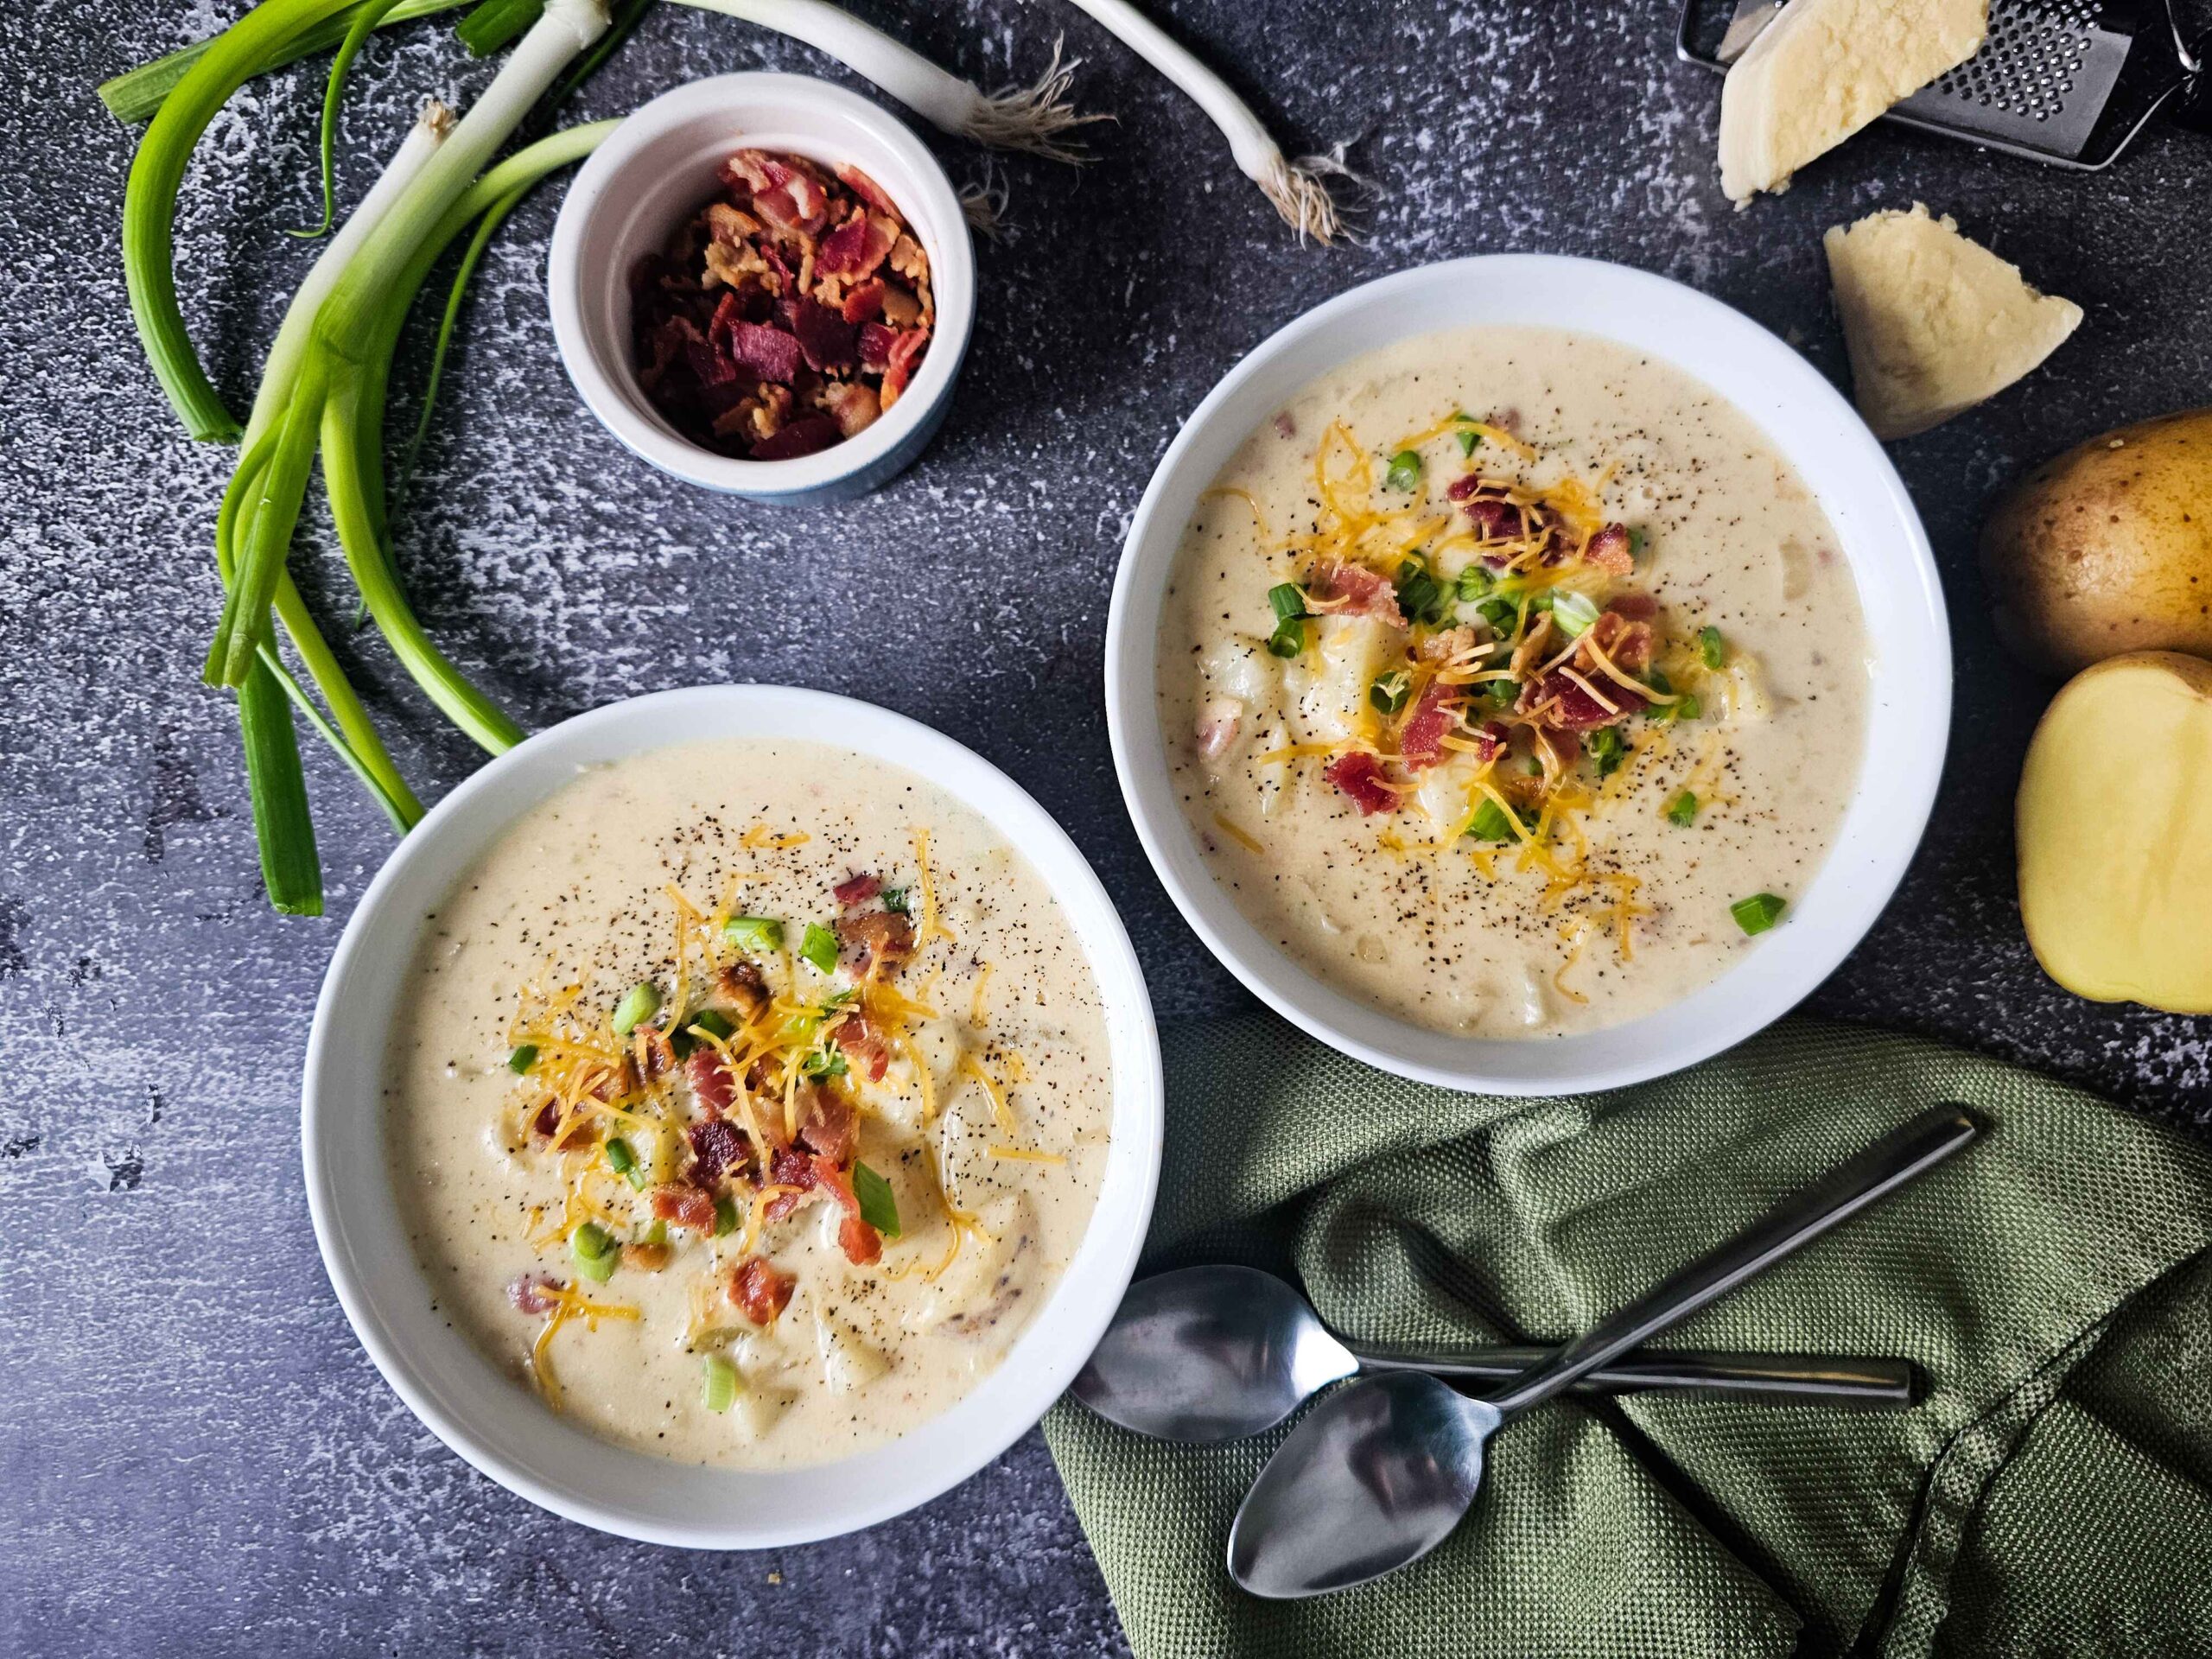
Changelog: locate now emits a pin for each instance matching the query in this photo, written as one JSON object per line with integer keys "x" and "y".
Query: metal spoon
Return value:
{"x": 1216, "y": 1353}
{"x": 1380, "y": 1473}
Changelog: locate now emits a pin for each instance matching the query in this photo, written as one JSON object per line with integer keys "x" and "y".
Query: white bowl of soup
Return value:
{"x": 1527, "y": 675}
{"x": 731, "y": 1116}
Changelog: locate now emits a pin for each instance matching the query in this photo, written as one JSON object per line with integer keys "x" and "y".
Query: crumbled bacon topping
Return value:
{"x": 1345, "y": 589}
{"x": 709, "y": 1079}
{"x": 1359, "y": 774}
{"x": 1566, "y": 701}
{"x": 717, "y": 1146}
{"x": 534, "y": 1292}
{"x": 787, "y": 314}
{"x": 1609, "y": 550}
{"x": 1436, "y": 714}
{"x": 760, "y": 1290}
{"x": 864, "y": 1048}
{"x": 856, "y": 890}
{"x": 827, "y": 1126}
{"x": 876, "y": 939}
{"x": 684, "y": 1206}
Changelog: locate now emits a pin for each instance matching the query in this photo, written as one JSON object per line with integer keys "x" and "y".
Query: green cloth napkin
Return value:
{"x": 2052, "y": 1495}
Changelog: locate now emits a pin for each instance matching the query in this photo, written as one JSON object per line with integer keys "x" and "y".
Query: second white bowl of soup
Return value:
{"x": 1527, "y": 674}
{"x": 731, "y": 1117}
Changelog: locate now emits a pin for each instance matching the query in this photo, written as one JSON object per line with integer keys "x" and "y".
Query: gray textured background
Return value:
{"x": 195, "y": 1456}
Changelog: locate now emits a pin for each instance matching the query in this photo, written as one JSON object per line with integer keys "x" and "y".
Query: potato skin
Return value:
{"x": 2107, "y": 547}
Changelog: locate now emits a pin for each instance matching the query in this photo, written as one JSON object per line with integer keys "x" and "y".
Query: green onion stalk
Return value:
{"x": 291, "y": 871}
{"x": 241, "y": 51}
{"x": 323, "y": 388}
{"x": 332, "y": 371}
{"x": 137, "y": 94}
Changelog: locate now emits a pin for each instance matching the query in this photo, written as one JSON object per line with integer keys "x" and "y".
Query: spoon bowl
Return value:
{"x": 1209, "y": 1353}
{"x": 1376, "y": 1481}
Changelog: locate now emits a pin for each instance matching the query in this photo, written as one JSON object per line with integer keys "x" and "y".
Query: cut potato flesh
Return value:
{"x": 2115, "y": 833}
{"x": 1823, "y": 69}
{"x": 1934, "y": 322}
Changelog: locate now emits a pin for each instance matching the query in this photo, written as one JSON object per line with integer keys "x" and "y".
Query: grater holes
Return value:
{"x": 2028, "y": 64}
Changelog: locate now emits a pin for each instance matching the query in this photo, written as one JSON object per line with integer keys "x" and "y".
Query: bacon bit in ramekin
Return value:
{"x": 786, "y": 314}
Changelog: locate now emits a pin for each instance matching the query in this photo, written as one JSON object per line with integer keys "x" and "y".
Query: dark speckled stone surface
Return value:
{"x": 196, "y": 1455}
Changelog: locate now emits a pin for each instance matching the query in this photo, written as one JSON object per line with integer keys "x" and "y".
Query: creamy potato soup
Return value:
{"x": 1512, "y": 681}
{"x": 747, "y": 1098}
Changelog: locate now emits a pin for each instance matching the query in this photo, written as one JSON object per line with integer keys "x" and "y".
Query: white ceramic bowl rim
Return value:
{"x": 1881, "y": 537}
{"x": 774, "y": 111}
{"x": 491, "y": 1419}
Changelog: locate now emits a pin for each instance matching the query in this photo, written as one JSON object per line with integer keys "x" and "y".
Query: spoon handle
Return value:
{"x": 1800, "y": 1379}
{"x": 1841, "y": 1193}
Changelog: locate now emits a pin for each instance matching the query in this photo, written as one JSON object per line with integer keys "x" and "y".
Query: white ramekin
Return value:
{"x": 477, "y": 1407}
{"x": 653, "y": 172}
{"x": 1908, "y": 692}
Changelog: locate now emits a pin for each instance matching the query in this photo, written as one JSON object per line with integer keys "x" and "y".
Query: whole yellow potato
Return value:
{"x": 2108, "y": 548}
{"x": 2114, "y": 825}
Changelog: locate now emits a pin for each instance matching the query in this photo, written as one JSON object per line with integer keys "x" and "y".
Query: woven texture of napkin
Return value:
{"x": 2052, "y": 1495}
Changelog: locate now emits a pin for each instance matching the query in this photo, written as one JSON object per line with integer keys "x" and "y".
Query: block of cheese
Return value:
{"x": 1934, "y": 322}
{"x": 1824, "y": 68}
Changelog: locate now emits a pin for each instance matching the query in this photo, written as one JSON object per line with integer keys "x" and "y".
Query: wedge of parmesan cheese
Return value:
{"x": 1823, "y": 69}
{"x": 1934, "y": 322}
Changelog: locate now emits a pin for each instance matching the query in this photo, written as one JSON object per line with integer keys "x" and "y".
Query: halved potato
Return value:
{"x": 2114, "y": 823}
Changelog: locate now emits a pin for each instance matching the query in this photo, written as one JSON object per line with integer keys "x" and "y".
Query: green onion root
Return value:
{"x": 1038, "y": 117}
{"x": 1296, "y": 188}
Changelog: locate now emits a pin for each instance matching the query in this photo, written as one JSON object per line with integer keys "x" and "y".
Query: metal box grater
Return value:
{"x": 2068, "y": 82}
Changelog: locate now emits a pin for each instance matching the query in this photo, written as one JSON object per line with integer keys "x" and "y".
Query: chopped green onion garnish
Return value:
{"x": 1405, "y": 471}
{"x": 1287, "y": 599}
{"x": 1757, "y": 913}
{"x": 596, "y": 1251}
{"x": 725, "y": 1217}
{"x": 638, "y": 1004}
{"x": 879, "y": 1204}
{"x": 1469, "y": 441}
{"x": 1389, "y": 691}
{"x": 819, "y": 946}
{"x": 1288, "y": 638}
{"x": 1491, "y": 823}
{"x": 1687, "y": 706}
{"x": 1711, "y": 647}
{"x": 894, "y": 900}
{"x": 721, "y": 1391}
{"x": 713, "y": 1022}
{"x": 1474, "y": 581}
{"x": 1574, "y": 612}
{"x": 1541, "y": 601}
{"x": 1682, "y": 808}
{"x": 1502, "y": 614}
{"x": 1418, "y": 597}
{"x": 656, "y": 1234}
{"x": 624, "y": 1162}
{"x": 756, "y": 935}
{"x": 1637, "y": 541}
{"x": 1607, "y": 749}
{"x": 521, "y": 1059}
{"x": 825, "y": 1063}
{"x": 1500, "y": 692}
